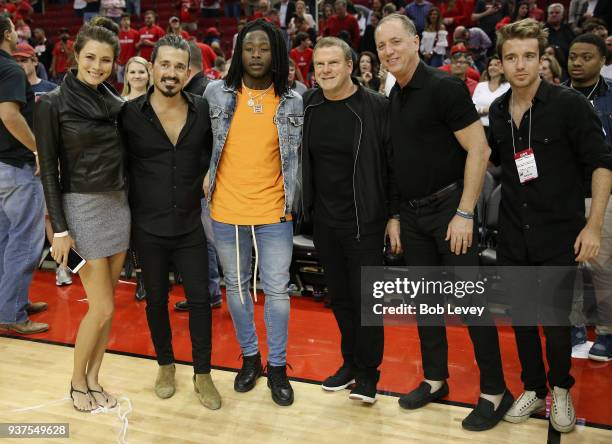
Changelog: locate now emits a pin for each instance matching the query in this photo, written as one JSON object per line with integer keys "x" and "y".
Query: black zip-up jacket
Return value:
{"x": 79, "y": 148}
{"x": 372, "y": 160}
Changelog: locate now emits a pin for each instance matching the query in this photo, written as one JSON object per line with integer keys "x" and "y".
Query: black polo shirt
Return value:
{"x": 165, "y": 182}
{"x": 14, "y": 87}
{"x": 541, "y": 219}
{"x": 424, "y": 116}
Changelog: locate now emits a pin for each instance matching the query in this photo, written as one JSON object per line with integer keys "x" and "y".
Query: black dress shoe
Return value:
{"x": 141, "y": 293}
{"x": 282, "y": 393}
{"x": 421, "y": 396}
{"x": 181, "y": 306}
{"x": 248, "y": 374}
{"x": 484, "y": 417}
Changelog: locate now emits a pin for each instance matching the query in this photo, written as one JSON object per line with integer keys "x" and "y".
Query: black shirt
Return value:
{"x": 561, "y": 37}
{"x": 540, "y": 219}
{"x": 424, "y": 116}
{"x": 165, "y": 182}
{"x": 487, "y": 24}
{"x": 332, "y": 136}
{"x": 14, "y": 87}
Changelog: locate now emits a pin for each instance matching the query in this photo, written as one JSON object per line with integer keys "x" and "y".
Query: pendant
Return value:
{"x": 258, "y": 109}
{"x": 250, "y": 103}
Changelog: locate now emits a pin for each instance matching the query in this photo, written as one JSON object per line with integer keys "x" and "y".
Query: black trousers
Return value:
{"x": 554, "y": 291}
{"x": 342, "y": 257}
{"x": 423, "y": 231}
{"x": 190, "y": 255}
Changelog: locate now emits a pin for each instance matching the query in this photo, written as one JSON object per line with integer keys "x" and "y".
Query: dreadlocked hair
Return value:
{"x": 280, "y": 59}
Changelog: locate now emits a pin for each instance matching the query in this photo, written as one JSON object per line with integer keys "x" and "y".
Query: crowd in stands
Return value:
{"x": 456, "y": 35}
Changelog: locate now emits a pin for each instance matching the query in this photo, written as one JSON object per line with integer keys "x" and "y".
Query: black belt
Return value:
{"x": 435, "y": 197}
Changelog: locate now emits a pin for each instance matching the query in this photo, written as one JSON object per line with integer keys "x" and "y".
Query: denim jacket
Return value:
{"x": 289, "y": 119}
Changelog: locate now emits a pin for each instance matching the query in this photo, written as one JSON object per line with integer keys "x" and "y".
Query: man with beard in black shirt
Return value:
{"x": 344, "y": 163}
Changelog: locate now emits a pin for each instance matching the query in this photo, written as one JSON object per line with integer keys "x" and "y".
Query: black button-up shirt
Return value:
{"x": 424, "y": 116}
{"x": 165, "y": 181}
{"x": 541, "y": 219}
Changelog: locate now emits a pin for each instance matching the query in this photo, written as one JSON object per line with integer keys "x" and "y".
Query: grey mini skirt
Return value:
{"x": 99, "y": 223}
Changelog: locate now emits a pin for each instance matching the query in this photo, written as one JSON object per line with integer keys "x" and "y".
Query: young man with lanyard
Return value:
{"x": 586, "y": 58}
{"x": 257, "y": 126}
{"x": 168, "y": 139}
{"x": 544, "y": 136}
{"x": 440, "y": 155}
{"x": 344, "y": 193}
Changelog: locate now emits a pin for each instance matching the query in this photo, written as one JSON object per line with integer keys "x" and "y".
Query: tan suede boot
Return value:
{"x": 164, "y": 384}
{"x": 206, "y": 391}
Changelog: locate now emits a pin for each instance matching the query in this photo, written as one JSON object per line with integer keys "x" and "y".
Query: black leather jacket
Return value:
{"x": 372, "y": 186}
{"x": 79, "y": 147}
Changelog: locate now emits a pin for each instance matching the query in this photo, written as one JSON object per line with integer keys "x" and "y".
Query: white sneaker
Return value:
{"x": 62, "y": 276}
{"x": 562, "y": 413}
{"x": 527, "y": 404}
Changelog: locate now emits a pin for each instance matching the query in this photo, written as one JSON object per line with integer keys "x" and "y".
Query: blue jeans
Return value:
{"x": 214, "y": 279}
{"x": 22, "y": 233}
{"x": 274, "y": 245}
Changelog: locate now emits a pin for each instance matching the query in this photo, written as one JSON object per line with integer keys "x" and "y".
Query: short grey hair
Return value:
{"x": 406, "y": 23}
{"x": 328, "y": 42}
{"x": 556, "y": 6}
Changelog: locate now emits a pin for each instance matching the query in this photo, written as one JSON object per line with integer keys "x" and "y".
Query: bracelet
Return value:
{"x": 395, "y": 216}
{"x": 465, "y": 214}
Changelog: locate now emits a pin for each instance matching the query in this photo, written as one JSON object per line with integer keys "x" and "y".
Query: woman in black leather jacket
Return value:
{"x": 81, "y": 161}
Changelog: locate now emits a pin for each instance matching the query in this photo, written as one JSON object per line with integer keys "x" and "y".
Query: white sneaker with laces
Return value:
{"x": 527, "y": 404}
{"x": 562, "y": 413}
{"x": 62, "y": 276}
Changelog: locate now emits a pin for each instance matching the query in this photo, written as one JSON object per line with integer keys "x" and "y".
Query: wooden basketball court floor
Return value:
{"x": 35, "y": 375}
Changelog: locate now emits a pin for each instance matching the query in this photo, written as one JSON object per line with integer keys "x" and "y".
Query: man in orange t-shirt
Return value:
{"x": 257, "y": 129}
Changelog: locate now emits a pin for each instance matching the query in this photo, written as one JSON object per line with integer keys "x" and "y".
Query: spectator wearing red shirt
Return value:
{"x": 24, "y": 8}
{"x": 188, "y": 12}
{"x": 455, "y": 13}
{"x": 301, "y": 54}
{"x": 208, "y": 55}
{"x": 216, "y": 72}
{"x": 174, "y": 27}
{"x": 471, "y": 72}
{"x": 535, "y": 12}
{"x": 343, "y": 21}
{"x": 460, "y": 61}
{"x": 62, "y": 56}
{"x": 128, "y": 37}
{"x": 149, "y": 34}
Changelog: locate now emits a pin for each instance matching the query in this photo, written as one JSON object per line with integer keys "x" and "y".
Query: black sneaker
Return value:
{"x": 484, "y": 417}
{"x": 248, "y": 374}
{"x": 282, "y": 393}
{"x": 365, "y": 389}
{"x": 344, "y": 377}
{"x": 181, "y": 306}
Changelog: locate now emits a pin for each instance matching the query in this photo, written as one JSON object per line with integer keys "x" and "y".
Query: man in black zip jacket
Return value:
{"x": 344, "y": 163}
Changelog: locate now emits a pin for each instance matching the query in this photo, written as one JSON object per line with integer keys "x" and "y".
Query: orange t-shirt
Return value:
{"x": 249, "y": 186}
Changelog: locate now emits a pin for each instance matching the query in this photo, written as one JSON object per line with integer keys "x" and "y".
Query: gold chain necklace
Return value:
{"x": 254, "y": 102}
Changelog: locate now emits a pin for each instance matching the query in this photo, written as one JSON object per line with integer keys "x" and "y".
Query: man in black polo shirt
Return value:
{"x": 440, "y": 155}
{"x": 168, "y": 138}
{"x": 544, "y": 136}
{"x": 21, "y": 196}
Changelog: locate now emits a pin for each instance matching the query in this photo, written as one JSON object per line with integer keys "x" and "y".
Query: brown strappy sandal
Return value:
{"x": 92, "y": 400}
{"x": 104, "y": 394}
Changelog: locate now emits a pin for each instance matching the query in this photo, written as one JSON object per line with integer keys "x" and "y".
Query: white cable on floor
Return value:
{"x": 122, "y": 416}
